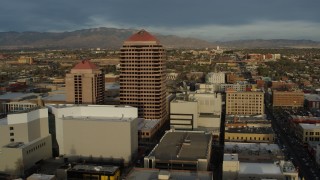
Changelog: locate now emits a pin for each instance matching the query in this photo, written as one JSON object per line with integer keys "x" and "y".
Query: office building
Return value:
{"x": 100, "y": 132}
{"x": 244, "y": 103}
{"x": 85, "y": 84}
{"x": 143, "y": 76}
{"x": 287, "y": 99}
{"x": 24, "y": 140}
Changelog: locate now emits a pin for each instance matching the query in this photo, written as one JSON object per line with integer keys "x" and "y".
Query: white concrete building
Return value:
{"x": 219, "y": 77}
{"x": 96, "y": 131}
{"x": 199, "y": 111}
{"x": 240, "y": 86}
{"x": 24, "y": 140}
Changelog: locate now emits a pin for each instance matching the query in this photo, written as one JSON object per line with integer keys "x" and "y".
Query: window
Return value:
{"x": 11, "y": 128}
{"x": 11, "y": 140}
{"x": 11, "y": 134}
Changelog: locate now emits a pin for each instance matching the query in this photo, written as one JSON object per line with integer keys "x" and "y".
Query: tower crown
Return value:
{"x": 142, "y": 35}
{"x": 85, "y": 64}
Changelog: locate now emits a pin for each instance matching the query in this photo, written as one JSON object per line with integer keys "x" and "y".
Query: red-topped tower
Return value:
{"x": 143, "y": 77}
{"x": 85, "y": 84}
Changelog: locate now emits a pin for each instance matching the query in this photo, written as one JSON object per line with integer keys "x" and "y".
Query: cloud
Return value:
{"x": 256, "y": 30}
{"x": 231, "y": 17}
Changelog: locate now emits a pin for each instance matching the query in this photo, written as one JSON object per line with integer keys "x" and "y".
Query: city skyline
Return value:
{"x": 208, "y": 20}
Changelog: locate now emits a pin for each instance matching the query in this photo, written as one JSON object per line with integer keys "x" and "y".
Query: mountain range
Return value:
{"x": 112, "y": 38}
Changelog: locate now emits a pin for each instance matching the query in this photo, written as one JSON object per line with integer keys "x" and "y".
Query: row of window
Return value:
{"x": 36, "y": 147}
{"x": 250, "y": 138}
{"x": 313, "y": 133}
{"x": 312, "y": 138}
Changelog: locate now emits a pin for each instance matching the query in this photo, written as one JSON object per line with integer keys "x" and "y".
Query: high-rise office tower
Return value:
{"x": 85, "y": 84}
{"x": 143, "y": 77}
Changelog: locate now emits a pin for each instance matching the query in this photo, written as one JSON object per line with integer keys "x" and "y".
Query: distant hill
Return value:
{"x": 112, "y": 38}
{"x": 88, "y": 38}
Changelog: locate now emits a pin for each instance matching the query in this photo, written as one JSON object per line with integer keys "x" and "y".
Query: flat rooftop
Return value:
{"x": 251, "y": 130}
{"x": 230, "y": 157}
{"x": 15, "y": 145}
{"x": 147, "y": 124}
{"x": 141, "y": 173}
{"x": 259, "y": 168}
{"x": 98, "y": 118}
{"x": 309, "y": 126}
{"x": 18, "y": 96}
{"x": 312, "y": 97}
{"x": 212, "y": 115}
{"x": 245, "y": 118}
{"x": 55, "y": 97}
{"x": 254, "y": 152}
{"x": 183, "y": 145}
{"x": 95, "y": 168}
{"x": 41, "y": 176}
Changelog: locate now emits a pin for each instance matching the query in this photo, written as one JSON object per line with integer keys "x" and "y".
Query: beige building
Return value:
{"x": 143, "y": 76}
{"x": 287, "y": 98}
{"x": 244, "y": 103}
{"x": 308, "y": 132}
{"x": 24, "y": 140}
{"x": 96, "y": 131}
{"x": 85, "y": 84}
{"x": 199, "y": 111}
{"x": 250, "y": 134}
{"x": 25, "y": 60}
{"x": 216, "y": 78}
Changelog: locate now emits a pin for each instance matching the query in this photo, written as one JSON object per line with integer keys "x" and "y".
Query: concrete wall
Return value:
{"x": 32, "y": 131}
{"x": 100, "y": 138}
{"x": 182, "y": 112}
{"x": 87, "y": 111}
{"x": 26, "y": 127}
{"x": 209, "y": 103}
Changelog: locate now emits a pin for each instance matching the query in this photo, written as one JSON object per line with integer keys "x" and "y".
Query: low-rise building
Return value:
{"x": 250, "y": 134}
{"x": 256, "y": 161}
{"x": 181, "y": 150}
{"x": 24, "y": 140}
{"x": 312, "y": 101}
{"x": 308, "y": 132}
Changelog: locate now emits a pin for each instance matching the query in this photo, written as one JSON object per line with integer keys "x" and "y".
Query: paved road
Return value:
{"x": 294, "y": 150}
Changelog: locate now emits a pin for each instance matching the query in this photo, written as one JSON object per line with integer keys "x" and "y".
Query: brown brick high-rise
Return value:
{"x": 143, "y": 77}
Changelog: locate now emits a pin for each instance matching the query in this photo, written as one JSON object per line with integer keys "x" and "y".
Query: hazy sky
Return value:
{"x": 206, "y": 19}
